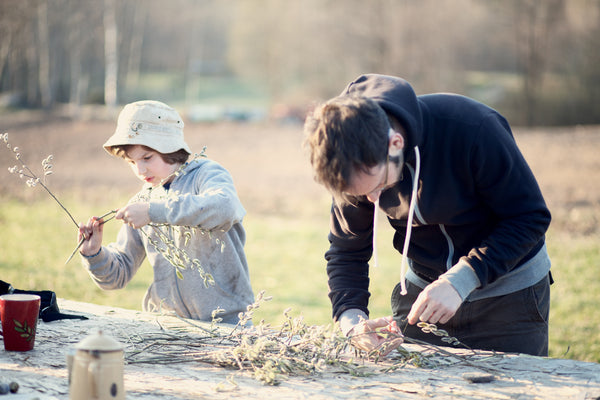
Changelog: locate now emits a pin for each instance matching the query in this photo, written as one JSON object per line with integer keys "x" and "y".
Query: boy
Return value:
{"x": 193, "y": 203}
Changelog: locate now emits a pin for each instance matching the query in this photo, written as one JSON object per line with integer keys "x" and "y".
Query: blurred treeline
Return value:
{"x": 537, "y": 61}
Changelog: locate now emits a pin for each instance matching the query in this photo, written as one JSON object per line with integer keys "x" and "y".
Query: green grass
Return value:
{"x": 286, "y": 260}
{"x": 575, "y": 317}
{"x": 37, "y": 238}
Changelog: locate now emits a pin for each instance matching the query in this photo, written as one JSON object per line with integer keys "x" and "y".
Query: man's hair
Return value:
{"x": 178, "y": 157}
{"x": 343, "y": 135}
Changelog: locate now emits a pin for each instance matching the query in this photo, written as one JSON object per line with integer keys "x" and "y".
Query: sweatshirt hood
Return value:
{"x": 397, "y": 97}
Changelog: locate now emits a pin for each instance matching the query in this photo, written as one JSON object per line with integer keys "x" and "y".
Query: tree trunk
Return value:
{"x": 44, "y": 55}
{"x": 111, "y": 60}
{"x": 135, "y": 46}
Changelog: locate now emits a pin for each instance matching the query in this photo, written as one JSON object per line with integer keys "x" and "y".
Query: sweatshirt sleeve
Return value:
{"x": 208, "y": 200}
{"x": 116, "y": 264}
{"x": 351, "y": 247}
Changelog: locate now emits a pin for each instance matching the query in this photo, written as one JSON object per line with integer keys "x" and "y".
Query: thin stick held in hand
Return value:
{"x": 84, "y": 238}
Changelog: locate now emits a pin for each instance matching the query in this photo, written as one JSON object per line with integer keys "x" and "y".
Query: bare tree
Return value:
{"x": 535, "y": 21}
{"x": 43, "y": 52}
{"x": 135, "y": 44}
{"x": 111, "y": 61}
{"x": 78, "y": 80}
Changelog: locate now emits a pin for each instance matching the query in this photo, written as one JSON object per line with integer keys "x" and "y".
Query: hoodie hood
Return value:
{"x": 397, "y": 97}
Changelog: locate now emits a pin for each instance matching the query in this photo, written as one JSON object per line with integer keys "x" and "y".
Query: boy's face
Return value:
{"x": 149, "y": 166}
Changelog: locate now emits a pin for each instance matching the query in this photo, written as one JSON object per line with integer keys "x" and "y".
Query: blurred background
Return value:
{"x": 537, "y": 61}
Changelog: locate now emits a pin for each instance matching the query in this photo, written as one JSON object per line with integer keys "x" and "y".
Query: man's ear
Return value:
{"x": 396, "y": 143}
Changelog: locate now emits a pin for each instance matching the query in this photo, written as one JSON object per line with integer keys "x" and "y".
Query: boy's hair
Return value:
{"x": 179, "y": 157}
{"x": 345, "y": 134}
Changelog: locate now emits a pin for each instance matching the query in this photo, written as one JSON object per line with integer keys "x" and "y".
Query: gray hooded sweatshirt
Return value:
{"x": 202, "y": 214}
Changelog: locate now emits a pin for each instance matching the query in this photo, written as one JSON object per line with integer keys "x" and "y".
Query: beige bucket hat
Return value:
{"x": 149, "y": 123}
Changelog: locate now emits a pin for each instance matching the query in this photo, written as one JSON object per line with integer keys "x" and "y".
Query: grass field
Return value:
{"x": 287, "y": 220}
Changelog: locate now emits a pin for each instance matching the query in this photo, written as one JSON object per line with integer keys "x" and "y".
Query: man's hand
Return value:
{"x": 438, "y": 302}
{"x": 135, "y": 214}
{"x": 381, "y": 335}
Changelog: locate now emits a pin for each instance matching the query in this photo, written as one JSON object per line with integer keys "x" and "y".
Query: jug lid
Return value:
{"x": 99, "y": 342}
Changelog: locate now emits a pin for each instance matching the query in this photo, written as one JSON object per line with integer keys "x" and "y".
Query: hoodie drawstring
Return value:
{"x": 375, "y": 228}
{"x": 411, "y": 213}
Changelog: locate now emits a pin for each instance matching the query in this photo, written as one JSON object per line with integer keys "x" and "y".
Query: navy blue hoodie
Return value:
{"x": 478, "y": 206}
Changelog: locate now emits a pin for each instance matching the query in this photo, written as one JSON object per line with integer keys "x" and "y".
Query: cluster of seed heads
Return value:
{"x": 294, "y": 348}
{"x": 174, "y": 254}
{"x": 32, "y": 179}
{"x": 444, "y": 336}
{"x": 272, "y": 353}
{"x": 269, "y": 353}
{"x": 47, "y": 165}
{"x": 23, "y": 171}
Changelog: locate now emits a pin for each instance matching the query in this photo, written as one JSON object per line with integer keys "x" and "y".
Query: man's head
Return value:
{"x": 350, "y": 141}
{"x": 149, "y": 123}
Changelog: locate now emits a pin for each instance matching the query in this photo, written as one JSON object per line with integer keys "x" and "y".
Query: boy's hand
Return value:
{"x": 135, "y": 215}
{"x": 92, "y": 231}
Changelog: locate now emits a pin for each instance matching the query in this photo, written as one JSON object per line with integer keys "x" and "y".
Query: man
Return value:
{"x": 468, "y": 213}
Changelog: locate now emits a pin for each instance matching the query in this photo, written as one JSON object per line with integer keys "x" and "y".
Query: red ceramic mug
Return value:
{"x": 19, "y": 314}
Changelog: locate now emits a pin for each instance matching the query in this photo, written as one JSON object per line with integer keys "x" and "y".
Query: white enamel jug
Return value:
{"x": 96, "y": 372}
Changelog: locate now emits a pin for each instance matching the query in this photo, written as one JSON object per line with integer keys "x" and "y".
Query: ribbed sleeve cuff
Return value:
{"x": 463, "y": 278}
{"x": 351, "y": 318}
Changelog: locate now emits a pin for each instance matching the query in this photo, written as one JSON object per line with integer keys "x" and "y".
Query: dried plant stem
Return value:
{"x": 33, "y": 176}
{"x": 189, "y": 322}
{"x": 462, "y": 358}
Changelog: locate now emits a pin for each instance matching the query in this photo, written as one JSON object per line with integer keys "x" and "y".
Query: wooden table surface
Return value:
{"x": 42, "y": 372}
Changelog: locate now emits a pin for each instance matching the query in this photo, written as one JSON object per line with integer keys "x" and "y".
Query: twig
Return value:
{"x": 462, "y": 358}
{"x": 83, "y": 238}
{"x": 187, "y": 321}
{"x": 33, "y": 177}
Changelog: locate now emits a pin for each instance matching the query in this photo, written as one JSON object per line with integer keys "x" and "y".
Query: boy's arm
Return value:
{"x": 351, "y": 247}
{"x": 116, "y": 264}
{"x": 213, "y": 204}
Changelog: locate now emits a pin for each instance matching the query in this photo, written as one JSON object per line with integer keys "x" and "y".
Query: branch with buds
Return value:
{"x": 32, "y": 179}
